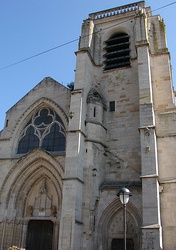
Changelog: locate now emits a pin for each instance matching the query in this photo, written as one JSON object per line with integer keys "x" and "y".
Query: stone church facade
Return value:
{"x": 65, "y": 153}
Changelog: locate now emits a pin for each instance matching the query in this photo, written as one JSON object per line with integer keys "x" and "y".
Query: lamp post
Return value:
{"x": 124, "y": 195}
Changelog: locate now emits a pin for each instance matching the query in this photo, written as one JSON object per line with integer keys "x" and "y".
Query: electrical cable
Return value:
{"x": 39, "y": 54}
{"x": 72, "y": 41}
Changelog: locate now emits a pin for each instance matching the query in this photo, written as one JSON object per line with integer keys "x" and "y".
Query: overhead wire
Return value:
{"x": 164, "y": 6}
{"x": 39, "y": 54}
{"x": 75, "y": 40}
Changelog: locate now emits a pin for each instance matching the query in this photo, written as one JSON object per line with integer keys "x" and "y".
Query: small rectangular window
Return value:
{"x": 112, "y": 106}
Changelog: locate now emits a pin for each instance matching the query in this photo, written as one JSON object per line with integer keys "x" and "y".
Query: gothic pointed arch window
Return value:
{"x": 44, "y": 130}
{"x": 117, "y": 51}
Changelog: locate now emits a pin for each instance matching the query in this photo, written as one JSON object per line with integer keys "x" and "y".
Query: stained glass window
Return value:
{"x": 44, "y": 130}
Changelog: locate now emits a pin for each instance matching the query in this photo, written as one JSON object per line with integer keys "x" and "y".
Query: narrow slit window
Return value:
{"x": 7, "y": 123}
{"x": 94, "y": 112}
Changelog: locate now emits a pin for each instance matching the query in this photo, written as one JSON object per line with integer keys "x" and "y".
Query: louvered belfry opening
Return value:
{"x": 117, "y": 51}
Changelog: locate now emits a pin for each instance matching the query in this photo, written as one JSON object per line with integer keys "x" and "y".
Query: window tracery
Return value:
{"x": 44, "y": 130}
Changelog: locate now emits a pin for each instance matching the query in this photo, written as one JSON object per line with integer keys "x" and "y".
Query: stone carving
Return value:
{"x": 43, "y": 187}
{"x": 147, "y": 131}
{"x": 71, "y": 115}
{"x": 94, "y": 96}
{"x": 53, "y": 210}
{"x": 30, "y": 210}
{"x": 117, "y": 78}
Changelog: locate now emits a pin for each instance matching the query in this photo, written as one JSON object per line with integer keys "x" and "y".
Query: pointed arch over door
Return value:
{"x": 29, "y": 170}
{"x": 32, "y": 191}
{"x": 110, "y": 228}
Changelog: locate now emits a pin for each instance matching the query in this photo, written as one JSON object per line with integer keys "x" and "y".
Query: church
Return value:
{"x": 66, "y": 152}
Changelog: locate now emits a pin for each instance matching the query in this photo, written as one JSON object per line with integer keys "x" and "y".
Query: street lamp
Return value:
{"x": 124, "y": 195}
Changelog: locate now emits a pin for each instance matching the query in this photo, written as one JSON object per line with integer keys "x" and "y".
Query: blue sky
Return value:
{"x": 30, "y": 27}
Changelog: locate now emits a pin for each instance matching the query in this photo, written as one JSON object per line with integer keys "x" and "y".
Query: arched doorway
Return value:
{"x": 39, "y": 235}
{"x": 111, "y": 231}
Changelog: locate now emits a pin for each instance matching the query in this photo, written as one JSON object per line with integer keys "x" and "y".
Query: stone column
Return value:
{"x": 24, "y": 232}
{"x": 151, "y": 230}
{"x": 4, "y": 222}
{"x": 71, "y": 216}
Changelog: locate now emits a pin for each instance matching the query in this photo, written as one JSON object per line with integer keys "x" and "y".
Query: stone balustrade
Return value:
{"x": 117, "y": 11}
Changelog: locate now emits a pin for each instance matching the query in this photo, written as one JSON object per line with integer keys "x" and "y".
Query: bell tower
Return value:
{"x": 112, "y": 134}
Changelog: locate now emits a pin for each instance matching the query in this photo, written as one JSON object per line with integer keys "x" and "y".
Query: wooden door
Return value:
{"x": 39, "y": 235}
{"x": 118, "y": 244}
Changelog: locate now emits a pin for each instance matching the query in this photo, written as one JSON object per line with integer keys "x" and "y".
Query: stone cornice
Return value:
{"x": 153, "y": 226}
{"x": 119, "y": 184}
{"x": 73, "y": 179}
{"x": 149, "y": 176}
